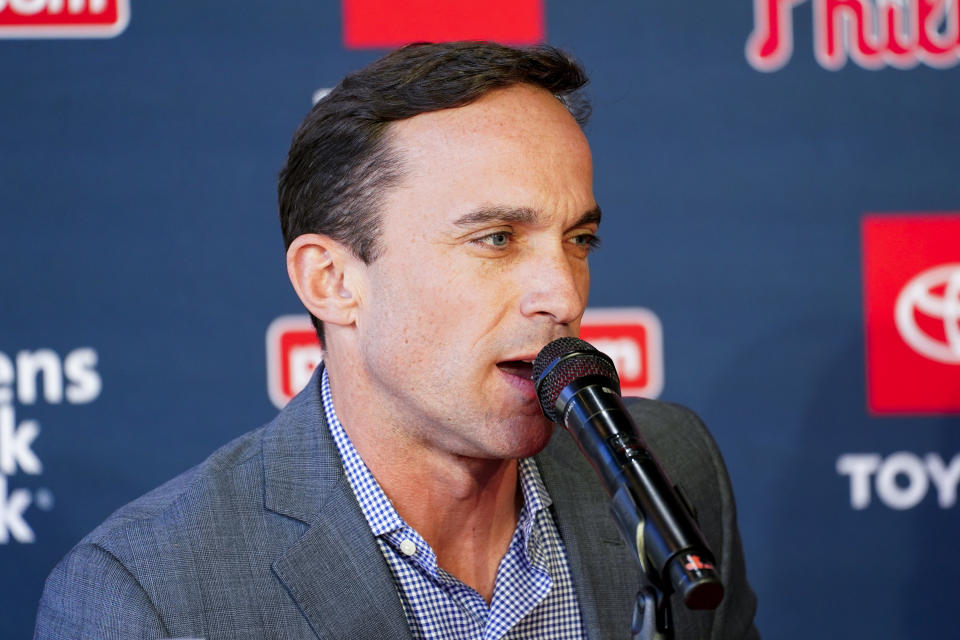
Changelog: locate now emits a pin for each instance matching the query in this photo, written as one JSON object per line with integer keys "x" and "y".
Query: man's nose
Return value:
{"x": 555, "y": 286}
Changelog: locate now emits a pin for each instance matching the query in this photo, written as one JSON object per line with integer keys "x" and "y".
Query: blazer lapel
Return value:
{"x": 339, "y": 580}
{"x": 335, "y": 572}
{"x": 605, "y": 574}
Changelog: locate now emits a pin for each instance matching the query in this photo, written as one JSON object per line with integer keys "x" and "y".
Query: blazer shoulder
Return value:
{"x": 679, "y": 438}
{"x": 675, "y": 435}
{"x": 109, "y": 584}
{"x": 208, "y": 481}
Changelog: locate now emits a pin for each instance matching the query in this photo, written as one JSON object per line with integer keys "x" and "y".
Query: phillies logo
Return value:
{"x": 63, "y": 18}
{"x": 872, "y": 33}
{"x": 631, "y": 337}
{"x": 911, "y": 274}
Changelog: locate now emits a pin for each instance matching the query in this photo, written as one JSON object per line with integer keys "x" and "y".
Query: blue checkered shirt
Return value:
{"x": 533, "y": 596}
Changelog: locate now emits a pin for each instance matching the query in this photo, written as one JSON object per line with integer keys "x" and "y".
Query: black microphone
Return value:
{"x": 578, "y": 387}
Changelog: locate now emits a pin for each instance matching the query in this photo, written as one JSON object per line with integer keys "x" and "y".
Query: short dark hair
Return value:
{"x": 340, "y": 162}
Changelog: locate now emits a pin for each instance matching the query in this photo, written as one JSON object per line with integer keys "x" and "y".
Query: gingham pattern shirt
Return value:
{"x": 533, "y": 597}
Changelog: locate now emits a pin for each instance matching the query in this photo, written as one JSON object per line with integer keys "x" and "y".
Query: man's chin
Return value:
{"x": 535, "y": 436}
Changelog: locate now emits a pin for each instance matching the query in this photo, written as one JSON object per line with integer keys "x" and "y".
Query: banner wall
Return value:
{"x": 781, "y": 252}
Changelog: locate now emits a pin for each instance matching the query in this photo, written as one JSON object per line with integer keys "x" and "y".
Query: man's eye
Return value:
{"x": 587, "y": 241}
{"x": 497, "y": 240}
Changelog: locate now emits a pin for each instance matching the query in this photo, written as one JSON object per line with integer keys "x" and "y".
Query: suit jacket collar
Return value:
{"x": 335, "y": 572}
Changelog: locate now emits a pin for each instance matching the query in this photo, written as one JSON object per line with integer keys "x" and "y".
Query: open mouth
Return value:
{"x": 520, "y": 368}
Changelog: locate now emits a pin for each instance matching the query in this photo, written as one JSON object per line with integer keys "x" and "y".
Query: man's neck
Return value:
{"x": 466, "y": 513}
{"x": 465, "y": 508}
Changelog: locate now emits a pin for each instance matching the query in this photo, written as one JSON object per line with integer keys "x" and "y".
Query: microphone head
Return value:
{"x": 563, "y": 361}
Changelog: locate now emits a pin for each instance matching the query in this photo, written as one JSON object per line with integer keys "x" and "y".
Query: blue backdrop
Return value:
{"x": 142, "y": 262}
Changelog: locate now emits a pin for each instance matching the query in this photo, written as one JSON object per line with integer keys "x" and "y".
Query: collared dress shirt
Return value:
{"x": 533, "y": 597}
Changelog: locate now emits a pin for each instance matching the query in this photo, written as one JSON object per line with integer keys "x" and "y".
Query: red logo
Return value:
{"x": 632, "y": 337}
{"x": 694, "y": 563}
{"x": 371, "y": 24}
{"x": 911, "y": 267}
{"x": 293, "y": 352}
{"x": 873, "y": 33}
{"x": 63, "y": 18}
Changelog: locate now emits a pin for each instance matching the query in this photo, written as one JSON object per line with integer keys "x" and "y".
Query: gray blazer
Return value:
{"x": 266, "y": 540}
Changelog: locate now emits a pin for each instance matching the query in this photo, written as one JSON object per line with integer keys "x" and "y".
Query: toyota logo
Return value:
{"x": 934, "y": 293}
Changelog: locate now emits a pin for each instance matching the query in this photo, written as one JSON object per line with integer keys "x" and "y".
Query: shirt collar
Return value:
{"x": 377, "y": 507}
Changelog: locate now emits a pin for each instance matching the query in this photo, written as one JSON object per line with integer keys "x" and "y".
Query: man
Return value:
{"x": 438, "y": 211}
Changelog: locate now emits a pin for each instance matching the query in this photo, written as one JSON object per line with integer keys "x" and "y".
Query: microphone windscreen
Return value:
{"x": 563, "y": 361}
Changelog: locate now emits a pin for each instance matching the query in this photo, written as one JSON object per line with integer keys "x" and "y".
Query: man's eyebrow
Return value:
{"x": 590, "y": 217}
{"x": 504, "y": 215}
{"x": 516, "y": 215}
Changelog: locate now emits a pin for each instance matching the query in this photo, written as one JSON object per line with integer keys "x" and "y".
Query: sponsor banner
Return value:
{"x": 26, "y": 379}
{"x": 911, "y": 281}
{"x": 872, "y": 33}
{"x": 63, "y": 18}
{"x": 386, "y": 23}
{"x": 632, "y": 337}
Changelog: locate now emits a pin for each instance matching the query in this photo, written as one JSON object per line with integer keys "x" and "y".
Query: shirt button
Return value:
{"x": 408, "y": 548}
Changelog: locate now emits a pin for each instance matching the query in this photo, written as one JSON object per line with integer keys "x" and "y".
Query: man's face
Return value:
{"x": 483, "y": 261}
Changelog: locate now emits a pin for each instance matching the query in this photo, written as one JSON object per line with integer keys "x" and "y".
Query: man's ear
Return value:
{"x": 318, "y": 267}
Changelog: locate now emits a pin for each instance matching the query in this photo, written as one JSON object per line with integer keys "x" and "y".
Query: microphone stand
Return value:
{"x": 652, "y": 614}
{"x": 652, "y": 617}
